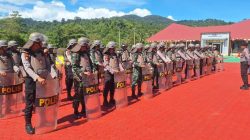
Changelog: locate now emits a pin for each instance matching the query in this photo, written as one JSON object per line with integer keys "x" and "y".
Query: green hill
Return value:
{"x": 105, "y": 29}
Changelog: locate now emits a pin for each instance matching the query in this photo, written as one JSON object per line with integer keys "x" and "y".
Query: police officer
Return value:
{"x": 7, "y": 65}
{"x": 138, "y": 63}
{"x": 125, "y": 56}
{"x": 68, "y": 68}
{"x": 97, "y": 57}
{"x": 190, "y": 53}
{"x": 152, "y": 59}
{"x": 81, "y": 66}
{"x": 16, "y": 56}
{"x": 244, "y": 58}
{"x": 37, "y": 66}
{"x": 111, "y": 66}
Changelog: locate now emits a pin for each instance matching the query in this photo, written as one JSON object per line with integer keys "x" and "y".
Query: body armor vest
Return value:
{"x": 125, "y": 56}
{"x": 113, "y": 62}
{"x": 85, "y": 63}
{"x": 39, "y": 64}
{"x": 140, "y": 59}
{"x": 16, "y": 58}
{"x": 6, "y": 64}
{"x": 98, "y": 56}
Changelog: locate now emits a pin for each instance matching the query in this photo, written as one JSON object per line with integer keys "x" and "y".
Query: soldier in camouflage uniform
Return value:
{"x": 152, "y": 59}
{"x": 111, "y": 66}
{"x": 68, "y": 68}
{"x": 97, "y": 58}
{"x": 138, "y": 64}
{"x": 37, "y": 66}
{"x": 81, "y": 66}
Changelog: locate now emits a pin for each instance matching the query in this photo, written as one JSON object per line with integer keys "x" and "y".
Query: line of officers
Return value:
{"x": 36, "y": 59}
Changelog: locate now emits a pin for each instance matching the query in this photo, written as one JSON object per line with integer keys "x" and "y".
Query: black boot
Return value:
{"x": 133, "y": 93}
{"x": 29, "y": 129}
{"x": 105, "y": 103}
{"x": 112, "y": 102}
{"x": 76, "y": 112}
{"x": 69, "y": 97}
{"x": 244, "y": 87}
{"x": 139, "y": 91}
{"x": 83, "y": 113}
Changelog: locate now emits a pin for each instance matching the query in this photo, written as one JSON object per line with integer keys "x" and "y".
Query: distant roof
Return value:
{"x": 177, "y": 32}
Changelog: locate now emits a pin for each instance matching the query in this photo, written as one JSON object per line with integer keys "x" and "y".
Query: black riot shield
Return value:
{"x": 121, "y": 98}
{"x": 169, "y": 75}
{"x": 92, "y": 96}
{"x": 147, "y": 88}
{"x": 47, "y": 103}
{"x": 11, "y": 96}
{"x": 162, "y": 76}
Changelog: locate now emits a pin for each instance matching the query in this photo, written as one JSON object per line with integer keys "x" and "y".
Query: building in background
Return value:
{"x": 227, "y": 37}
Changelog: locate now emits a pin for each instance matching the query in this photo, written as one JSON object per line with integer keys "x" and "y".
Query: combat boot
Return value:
{"x": 133, "y": 93}
{"x": 29, "y": 129}
{"x": 139, "y": 91}
{"x": 244, "y": 87}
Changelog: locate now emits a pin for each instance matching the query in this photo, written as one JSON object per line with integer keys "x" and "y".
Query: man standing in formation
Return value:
{"x": 82, "y": 65}
{"x": 37, "y": 66}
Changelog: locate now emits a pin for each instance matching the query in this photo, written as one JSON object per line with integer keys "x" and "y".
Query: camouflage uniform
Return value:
{"x": 152, "y": 59}
{"x": 81, "y": 65}
{"x": 138, "y": 64}
{"x": 37, "y": 66}
{"x": 68, "y": 68}
{"x": 97, "y": 58}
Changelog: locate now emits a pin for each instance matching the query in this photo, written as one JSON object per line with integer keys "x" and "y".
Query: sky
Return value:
{"x": 49, "y": 10}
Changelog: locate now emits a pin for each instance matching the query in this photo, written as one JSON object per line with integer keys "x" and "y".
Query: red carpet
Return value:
{"x": 212, "y": 108}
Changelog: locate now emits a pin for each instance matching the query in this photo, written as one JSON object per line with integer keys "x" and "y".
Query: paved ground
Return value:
{"x": 212, "y": 108}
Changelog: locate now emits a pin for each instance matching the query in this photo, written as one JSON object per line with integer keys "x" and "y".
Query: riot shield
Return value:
{"x": 11, "y": 96}
{"x": 101, "y": 77}
{"x": 121, "y": 98}
{"x": 147, "y": 88}
{"x": 203, "y": 66}
{"x": 178, "y": 72}
{"x": 162, "y": 76}
{"x": 209, "y": 65}
{"x": 91, "y": 96}
{"x": 169, "y": 75}
{"x": 47, "y": 103}
{"x": 197, "y": 68}
{"x": 190, "y": 69}
{"x": 129, "y": 71}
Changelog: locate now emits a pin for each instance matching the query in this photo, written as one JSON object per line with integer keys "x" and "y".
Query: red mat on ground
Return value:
{"x": 211, "y": 108}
